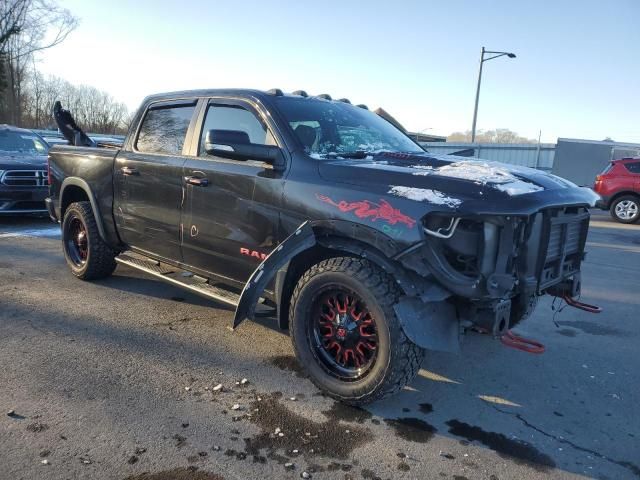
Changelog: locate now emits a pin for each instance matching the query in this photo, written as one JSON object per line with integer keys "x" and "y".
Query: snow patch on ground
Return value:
{"x": 425, "y": 195}
{"x": 51, "y": 232}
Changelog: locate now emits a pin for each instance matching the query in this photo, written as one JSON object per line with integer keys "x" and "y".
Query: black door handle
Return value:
{"x": 197, "y": 181}
{"x": 129, "y": 171}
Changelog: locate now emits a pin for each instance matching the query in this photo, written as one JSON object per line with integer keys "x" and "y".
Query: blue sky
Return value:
{"x": 577, "y": 73}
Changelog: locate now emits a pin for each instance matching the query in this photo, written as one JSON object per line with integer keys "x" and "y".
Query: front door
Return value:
{"x": 148, "y": 180}
{"x": 231, "y": 209}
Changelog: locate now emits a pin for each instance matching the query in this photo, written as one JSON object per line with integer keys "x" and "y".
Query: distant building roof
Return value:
{"x": 600, "y": 142}
{"x": 426, "y": 137}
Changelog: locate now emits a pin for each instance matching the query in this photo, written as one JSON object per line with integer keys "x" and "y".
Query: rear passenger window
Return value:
{"x": 235, "y": 117}
{"x": 164, "y": 129}
{"x": 633, "y": 167}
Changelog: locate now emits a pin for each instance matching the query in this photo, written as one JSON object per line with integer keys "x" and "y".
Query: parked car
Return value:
{"x": 369, "y": 249}
{"x": 619, "y": 189}
{"x": 23, "y": 171}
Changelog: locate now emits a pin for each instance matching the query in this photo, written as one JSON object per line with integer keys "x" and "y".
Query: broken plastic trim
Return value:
{"x": 300, "y": 240}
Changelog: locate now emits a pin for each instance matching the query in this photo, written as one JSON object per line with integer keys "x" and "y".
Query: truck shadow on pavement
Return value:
{"x": 124, "y": 280}
{"x": 446, "y": 402}
{"x": 489, "y": 397}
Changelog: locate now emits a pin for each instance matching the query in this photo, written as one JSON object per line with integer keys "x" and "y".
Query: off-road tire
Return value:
{"x": 626, "y": 198}
{"x": 398, "y": 359}
{"x": 100, "y": 259}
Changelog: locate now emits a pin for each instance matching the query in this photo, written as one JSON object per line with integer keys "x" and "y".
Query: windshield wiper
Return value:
{"x": 358, "y": 154}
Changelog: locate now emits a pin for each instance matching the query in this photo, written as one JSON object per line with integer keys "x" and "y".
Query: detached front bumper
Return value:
{"x": 494, "y": 267}
{"x": 497, "y": 257}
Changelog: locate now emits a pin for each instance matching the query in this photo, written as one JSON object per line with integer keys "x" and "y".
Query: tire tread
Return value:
{"x": 612, "y": 209}
{"x": 405, "y": 357}
{"x": 101, "y": 260}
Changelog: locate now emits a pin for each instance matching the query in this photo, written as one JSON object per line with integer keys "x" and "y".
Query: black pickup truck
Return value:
{"x": 326, "y": 216}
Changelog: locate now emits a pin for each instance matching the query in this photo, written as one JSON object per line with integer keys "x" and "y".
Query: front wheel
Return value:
{"x": 88, "y": 256}
{"x": 626, "y": 209}
{"x": 345, "y": 332}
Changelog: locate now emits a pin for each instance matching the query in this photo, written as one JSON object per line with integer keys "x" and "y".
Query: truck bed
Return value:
{"x": 89, "y": 166}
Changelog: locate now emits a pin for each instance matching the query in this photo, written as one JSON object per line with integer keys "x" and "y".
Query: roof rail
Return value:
{"x": 326, "y": 96}
{"x": 275, "y": 91}
{"x": 302, "y": 93}
{"x": 362, "y": 105}
{"x": 344, "y": 100}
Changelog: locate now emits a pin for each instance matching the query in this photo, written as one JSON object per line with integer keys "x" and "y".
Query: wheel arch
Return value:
{"x": 76, "y": 189}
{"x": 311, "y": 244}
{"x": 334, "y": 239}
{"x": 623, "y": 193}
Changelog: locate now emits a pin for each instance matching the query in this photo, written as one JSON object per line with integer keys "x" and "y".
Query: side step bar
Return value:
{"x": 181, "y": 278}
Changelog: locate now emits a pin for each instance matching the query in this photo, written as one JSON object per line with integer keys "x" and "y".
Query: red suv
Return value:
{"x": 619, "y": 187}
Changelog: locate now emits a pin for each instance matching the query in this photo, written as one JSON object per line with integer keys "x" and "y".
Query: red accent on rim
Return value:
{"x": 79, "y": 235}
{"x": 347, "y": 333}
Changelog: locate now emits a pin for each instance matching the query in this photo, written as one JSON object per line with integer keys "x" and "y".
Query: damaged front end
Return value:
{"x": 490, "y": 270}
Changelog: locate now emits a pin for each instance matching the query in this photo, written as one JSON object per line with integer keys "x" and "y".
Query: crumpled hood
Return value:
{"x": 21, "y": 161}
{"x": 450, "y": 180}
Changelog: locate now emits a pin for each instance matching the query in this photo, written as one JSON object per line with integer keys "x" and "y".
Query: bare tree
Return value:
{"x": 28, "y": 27}
{"x": 96, "y": 111}
{"x": 12, "y": 14}
{"x": 499, "y": 135}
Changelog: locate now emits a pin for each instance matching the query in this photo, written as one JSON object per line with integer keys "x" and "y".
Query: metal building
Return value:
{"x": 525, "y": 154}
{"x": 581, "y": 160}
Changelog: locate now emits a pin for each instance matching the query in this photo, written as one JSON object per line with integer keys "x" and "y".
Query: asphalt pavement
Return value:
{"x": 120, "y": 379}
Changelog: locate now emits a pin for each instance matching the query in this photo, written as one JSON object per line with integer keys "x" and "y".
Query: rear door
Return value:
{"x": 634, "y": 170}
{"x": 231, "y": 209}
{"x": 148, "y": 179}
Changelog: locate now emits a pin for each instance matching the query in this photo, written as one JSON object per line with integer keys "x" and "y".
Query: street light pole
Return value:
{"x": 482, "y": 60}
{"x": 475, "y": 110}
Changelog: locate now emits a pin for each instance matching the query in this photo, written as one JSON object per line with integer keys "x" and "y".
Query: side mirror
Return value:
{"x": 235, "y": 144}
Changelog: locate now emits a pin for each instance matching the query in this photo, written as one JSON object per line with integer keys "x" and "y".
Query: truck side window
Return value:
{"x": 235, "y": 117}
{"x": 164, "y": 128}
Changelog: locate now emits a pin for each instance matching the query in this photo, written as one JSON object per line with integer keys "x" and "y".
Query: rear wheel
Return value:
{"x": 346, "y": 334}
{"x": 626, "y": 209}
{"x": 88, "y": 256}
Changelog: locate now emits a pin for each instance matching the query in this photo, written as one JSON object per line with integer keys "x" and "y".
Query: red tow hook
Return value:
{"x": 572, "y": 302}
{"x": 510, "y": 339}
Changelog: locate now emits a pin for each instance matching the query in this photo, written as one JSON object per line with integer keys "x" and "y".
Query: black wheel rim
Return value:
{"x": 343, "y": 334}
{"x": 76, "y": 241}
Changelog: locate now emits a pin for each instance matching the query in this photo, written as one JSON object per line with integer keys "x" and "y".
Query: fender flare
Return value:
{"x": 300, "y": 240}
{"x": 79, "y": 182}
{"x": 421, "y": 300}
{"x": 365, "y": 250}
